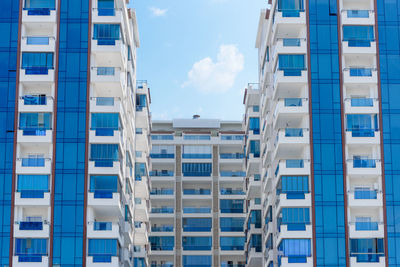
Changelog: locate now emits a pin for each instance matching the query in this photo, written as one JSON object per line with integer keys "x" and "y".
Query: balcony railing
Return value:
{"x": 294, "y": 163}
{"x": 232, "y": 174}
{"x": 357, "y": 13}
{"x": 106, "y": 11}
{"x": 356, "y": 132}
{"x": 290, "y": 13}
{"x": 291, "y": 41}
{"x": 364, "y": 163}
{"x": 162, "y": 192}
{"x": 232, "y": 137}
{"x": 196, "y": 210}
{"x": 360, "y": 71}
{"x": 161, "y": 173}
{"x": 32, "y": 193}
{"x": 197, "y": 191}
{"x": 367, "y": 257}
{"x": 39, "y": 11}
{"x": 232, "y": 191}
{"x": 103, "y": 193}
{"x": 35, "y": 100}
{"x": 231, "y": 155}
{"x": 31, "y": 225}
{"x": 196, "y": 156}
{"x": 102, "y": 226}
{"x": 161, "y": 156}
{"x": 30, "y": 257}
{"x": 293, "y": 102}
{"x": 365, "y": 194}
{"x": 167, "y": 210}
{"x": 293, "y": 132}
{"x": 34, "y": 161}
{"x": 366, "y": 226}
{"x": 105, "y": 101}
{"x": 361, "y": 102}
{"x": 164, "y": 228}
{"x": 34, "y": 131}
{"x": 191, "y": 228}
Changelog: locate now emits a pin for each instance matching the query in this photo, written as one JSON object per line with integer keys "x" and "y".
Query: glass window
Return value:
{"x": 37, "y": 61}
{"x": 196, "y": 242}
{"x": 231, "y": 224}
{"x": 106, "y": 34}
{"x": 197, "y": 152}
{"x": 291, "y": 65}
{"x": 358, "y": 35}
{"x": 33, "y": 186}
{"x": 232, "y": 243}
{"x": 103, "y": 249}
{"x": 196, "y": 261}
{"x": 196, "y": 169}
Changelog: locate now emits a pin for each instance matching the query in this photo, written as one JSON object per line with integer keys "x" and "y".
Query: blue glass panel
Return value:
{"x": 232, "y": 243}
{"x": 362, "y": 102}
{"x": 360, "y": 72}
{"x": 106, "y": 34}
{"x": 35, "y": 100}
{"x": 291, "y": 42}
{"x": 358, "y": 13}
{"x": 293, "y": 102}
{"x": 35, "y": 40}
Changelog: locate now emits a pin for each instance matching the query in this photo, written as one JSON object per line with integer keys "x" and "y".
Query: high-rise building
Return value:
{"x": 329, "y": 113}
{"x": 251, "y": 126}
{"x": 197, "y": 198}
{"x": 70, "y": 113}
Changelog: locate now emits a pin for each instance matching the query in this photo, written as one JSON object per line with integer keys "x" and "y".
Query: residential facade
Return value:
{"x": 328, "y": 79}
{"x": 197, "y": 196}
{"x": 70, "y": 112}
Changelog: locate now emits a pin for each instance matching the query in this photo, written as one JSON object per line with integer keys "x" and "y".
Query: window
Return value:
{"x": 102, "y": 250}
{"x": 39, "y": 7}
{"x": 358, "y": 35}
{"x": 105, "y": 123}
{"x": 231, "y": 224}
{"x": 196, "y": 169}
{"x": 197, "y": 152}
{"x": 139, "y": 130}
{"x": 295, "y": 219}
{"x": 106, "y": 34}
{"x": 104, "y": 154}
{"x": 291, "y": 65}
{"x": 196, "y": 137}
{"x": 30, "y": 250}
{"x": 254, "y": 125}
{"x": 37, "y": 63}
{"x": 232, "y": 243}
{"x": 162, "y": 151}
{"x": 255, "y": 148}
{"x": 35, "y": 99}
{"x": 195, "y": 261}
{"x": 294, "y": 186}
{"x": 290, "y": 8}
{"x": 106, "y": 8}
{"x": 296, "y": 250}
{"x": 197, "y": 224}
{"x": 141, "y": 102}
{"x": 196, "y": 242}
{"x": 162, "y": 242}
{"x": 33, "y": 186}
{"x": 231, "y": 205}
{"x": 35, "y": 123}
{"x": 140, "y": 170}
{"x": 366, "y": 250}
{"x": 104, "y": 186}
{"x": 361, "y": 125}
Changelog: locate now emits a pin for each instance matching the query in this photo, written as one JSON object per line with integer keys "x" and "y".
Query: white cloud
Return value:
{"x": 158, "y": 12}
{"x": 209, "y": 76}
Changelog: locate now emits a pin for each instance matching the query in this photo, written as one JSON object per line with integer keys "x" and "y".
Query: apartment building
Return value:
{"x": 327, "y": 92}
{"x": 197, "y": 193}
{"x": 68, "y": 81}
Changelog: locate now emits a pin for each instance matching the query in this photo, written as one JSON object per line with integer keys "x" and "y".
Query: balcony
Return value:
{"x": 292, "y": 261}
{"x": 366, "y": 230}
{"x": 106, "y": 105}
{"x": 105, "y": 167}
{"x": 109, "y": 78}
{"x": 107, "y": 136}
{"x": 231, "y": 158}
{"x": 30, "y": 261}
{"x": 142, "y": 211}
{"x": 110, "y": 48}
{"x": 349, "y": 48}
{"x": 104, "y": 230}
{"x": 196, "y": 194}
{"x": 32, "y": 229}
{"x": 107, "y": 15}
{"x": 163, "y": 211}
{"x": 39, "y": 15}
{"x": 289, "y": 46}
{"x": 358, "y": 17}
{"x": 296, "y": 77}
{"x": 290, "y": 142}
{"x": 32, "y": 198}
{"x": 294, "y": 230}
{"x": 360, "y": 75}
{"x": 361, "y": 105}
{"x": 285, "y": 20}
{"x": 365, "y": 198}
{"x": 35, "y": 135}
{"x": 96, "y": 262}
{"x": 162, "y": 193}
{"x": 292, "y": 167}
{"x": 34, "y": 165}
{"x": 35, "y": 103}
{"x": 362, "y": 137}
{"x": 196, "y": 211}
{"x": 38, "y": 43}
{"x": 284, "y": 200}
{"x": 377, "y": 260}
{"x": 290, "y": 108}
{"x": 163, "y": 228}
{"x": 366, "y": 167}
{"x": 106, "y": 201}
{"x": 39, "y": 75}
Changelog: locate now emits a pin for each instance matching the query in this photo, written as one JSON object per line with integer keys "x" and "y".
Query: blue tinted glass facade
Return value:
{"x": 9, "y": 14}
{"x": 327, "y": 141}
{"x": 70, "y": 140}
{"x": 389, "y": 51}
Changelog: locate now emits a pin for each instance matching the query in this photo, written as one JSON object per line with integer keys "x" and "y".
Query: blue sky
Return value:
{"x": 197, "y": 55}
